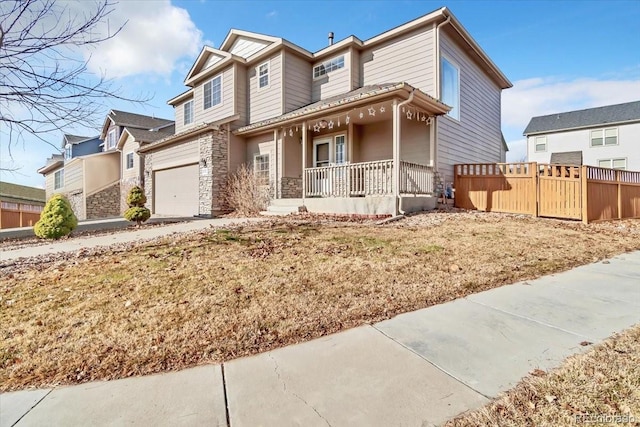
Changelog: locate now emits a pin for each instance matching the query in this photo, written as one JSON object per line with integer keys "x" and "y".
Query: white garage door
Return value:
{"x": 176, "y": 191}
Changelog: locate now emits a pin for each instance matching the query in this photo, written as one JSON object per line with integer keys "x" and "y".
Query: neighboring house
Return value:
{"x": 20, "y": 205}
{"x": 367, "y": 127}
{"x": 606, "y": 136}
{"x": 96, "y": 181}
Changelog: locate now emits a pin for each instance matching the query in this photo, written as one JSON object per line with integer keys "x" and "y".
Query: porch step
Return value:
{"x": 285, "y": 202}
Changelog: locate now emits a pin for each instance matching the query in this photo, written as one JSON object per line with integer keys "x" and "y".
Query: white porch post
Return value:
{"x": 304, "y": 160}
{"x": 396, "y": 157}
{"x": 278, "y": 152}
{"x": 432, "y": 142}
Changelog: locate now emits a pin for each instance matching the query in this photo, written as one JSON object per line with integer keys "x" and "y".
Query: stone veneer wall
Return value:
{"x": 76, "y": 199}
{"x": 214, "y": 150}
{"x": 291, "y": 188}
{"x": 147, "y": 180}
{"x": 105, "y": 203}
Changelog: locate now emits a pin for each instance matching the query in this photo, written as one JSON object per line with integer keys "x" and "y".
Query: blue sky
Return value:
{"x": 560, "y": 56}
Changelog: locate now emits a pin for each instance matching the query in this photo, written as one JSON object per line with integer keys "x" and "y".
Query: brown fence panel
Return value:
{"x": 559, "y": 191}
{"x": 14, "y": 218}
{"x": 501, "y": 187}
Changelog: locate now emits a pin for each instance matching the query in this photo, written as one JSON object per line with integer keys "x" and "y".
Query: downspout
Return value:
{"x": 396, "y": 152}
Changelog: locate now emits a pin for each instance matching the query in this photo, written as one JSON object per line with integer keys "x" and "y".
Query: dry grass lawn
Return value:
{"x": 600, "y": 387}
{"x": 222, "y": 294}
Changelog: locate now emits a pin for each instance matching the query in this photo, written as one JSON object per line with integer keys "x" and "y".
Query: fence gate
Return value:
{"x": 559, "y": 191}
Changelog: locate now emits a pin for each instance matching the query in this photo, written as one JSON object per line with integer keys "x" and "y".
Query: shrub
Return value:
{"x": 245, "y": 193}
{"x": 137, "y": 212}
{"x": 57, "y": 219}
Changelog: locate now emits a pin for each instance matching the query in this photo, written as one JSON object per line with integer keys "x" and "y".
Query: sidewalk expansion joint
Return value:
{"x": 224, "y": 392}
{"x": 539, "y": 322}
{"x": 34, "y": 405}
{"x": 438, "y": 367}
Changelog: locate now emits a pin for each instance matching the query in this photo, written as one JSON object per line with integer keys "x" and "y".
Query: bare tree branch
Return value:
{"x": 44, "y": 81}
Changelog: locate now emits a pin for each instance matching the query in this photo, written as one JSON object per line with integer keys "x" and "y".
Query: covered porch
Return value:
{"x": 367, "y": 152}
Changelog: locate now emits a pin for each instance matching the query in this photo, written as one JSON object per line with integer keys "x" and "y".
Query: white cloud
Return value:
{"x": 157, "y": 35}
{"x": 547, "y": 95}
{"x": 272, "y": 14}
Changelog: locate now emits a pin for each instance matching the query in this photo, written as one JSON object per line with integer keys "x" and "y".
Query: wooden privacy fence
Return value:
{"x": 14, "y": 215}
{"x": 585, "y": 193}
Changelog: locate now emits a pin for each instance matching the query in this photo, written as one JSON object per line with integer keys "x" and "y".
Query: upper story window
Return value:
{"x": 129, "y": 160}
{"x": 188, "y": 112}
{"x": 263, "y": 75}
{"x": 58, "y": 179}
{"x": 67, "y": 151}
{"x": 112, "y": 137}
{"x": 451, "y": 87}
{"x": 328, "y": 66}
{"x": 213, "y": 92}
{"x": 541, "y": 143}
{"x": 601, "y": 137}
{"x": 613, "y": 163}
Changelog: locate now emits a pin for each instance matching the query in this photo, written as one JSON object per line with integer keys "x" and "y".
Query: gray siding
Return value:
{"x": 263, "y": 144}
{"x": 297, "y": 82}
{"x": 73, "y": 176}
{"x": 265, "y": 103}
{"x": 408, "y": 58}
{"x": 477, "y": 136}
{"x": 247, "y": 46}
{"x": 241, "y": 95}
{"x": 335, "y": 82}
{"x": 220, "y": 111}
{"x": 176, "y": 155}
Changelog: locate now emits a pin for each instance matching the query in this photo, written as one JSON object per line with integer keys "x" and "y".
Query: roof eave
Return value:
{"x": 48, "y": 168}
{"x": 595, "y": 125}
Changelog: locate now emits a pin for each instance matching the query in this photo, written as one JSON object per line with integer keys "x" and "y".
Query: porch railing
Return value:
{"x": 367, "y": 179}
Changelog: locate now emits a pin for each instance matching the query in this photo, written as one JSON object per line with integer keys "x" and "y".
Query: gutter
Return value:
{"x": 396, "y": 157}
{"x": 446, "y": 21}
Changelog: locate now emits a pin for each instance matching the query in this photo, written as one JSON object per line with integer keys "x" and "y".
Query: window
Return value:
{"x": 111, "y": 139}
{"x": 451, "y": 88}
{"x": 129, "y": 160}
{"x": 340, "y": 150}
{"x": 541, "y": 143}
{"x": 261, "y": 168}
{"x": 328, "y": 66}
{"x": 613, "y": 163}
{"x": 213, "y": 92}
{"x": 67, "y": 151}
{"x": 600, "y": 137}
{"x": 58, "y": 179}
{"x": 188, "y": 112}
{"x": 263, "y": 75}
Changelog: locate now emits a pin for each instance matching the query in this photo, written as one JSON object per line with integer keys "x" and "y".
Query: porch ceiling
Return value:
{"x": 357, "y": 105}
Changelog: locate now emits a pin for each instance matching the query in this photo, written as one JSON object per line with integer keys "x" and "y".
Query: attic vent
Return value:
{"x": 330, "y": 38}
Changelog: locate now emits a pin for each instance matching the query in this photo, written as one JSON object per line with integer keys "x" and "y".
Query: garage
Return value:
{"x": 176, "y": 191}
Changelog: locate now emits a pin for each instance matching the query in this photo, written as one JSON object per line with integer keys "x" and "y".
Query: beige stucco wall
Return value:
{"x": 102, "y": 170}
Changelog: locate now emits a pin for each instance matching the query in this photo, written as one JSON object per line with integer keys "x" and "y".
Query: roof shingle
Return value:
{"x": 618, "y": 113}
{"x": 21, "y": 193}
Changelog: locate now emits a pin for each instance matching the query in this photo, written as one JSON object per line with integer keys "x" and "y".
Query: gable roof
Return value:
{"x": 571, "y": 158}
{"x": 609, "y": 114}
{"x": 21, "y": 193}
{"x": 74, "y": 139}
{"x": 140, "y": 121}
{"x": 143, "y": 136}
{"x": 54, "y": 162}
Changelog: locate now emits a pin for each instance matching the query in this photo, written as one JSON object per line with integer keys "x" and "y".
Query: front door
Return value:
{"x": 321, "y": 152}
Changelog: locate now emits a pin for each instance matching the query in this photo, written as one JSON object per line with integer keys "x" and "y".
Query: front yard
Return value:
{"x": 221, "y": 294}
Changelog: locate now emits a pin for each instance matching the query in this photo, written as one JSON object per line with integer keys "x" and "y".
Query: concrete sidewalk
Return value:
{"x": 420, "y": 368}
{"x": 85, "y": 242}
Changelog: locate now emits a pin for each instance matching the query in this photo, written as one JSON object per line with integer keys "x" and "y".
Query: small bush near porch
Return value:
{"x": 221, "y": 294}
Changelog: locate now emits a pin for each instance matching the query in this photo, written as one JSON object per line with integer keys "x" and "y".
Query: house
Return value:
{"x": 96, "y": 173}
{"x": 20, "y": 205}
{"x": 604, "y": 136}
{"x": 370, "y": 127}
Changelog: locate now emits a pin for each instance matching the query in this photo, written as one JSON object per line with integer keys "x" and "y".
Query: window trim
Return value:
{"x": 204, "y": 98}
{"x": 268, "y": 75}
{"x": 611, "y": 160}
{"x": 328, "y": 61}
{"x": 331, "y": 139}
{"x": 184, "y": 113}
{"x": 68, "y": 151}
{"x": 126, "y": 160}
{"x": 113, "y": 132}
{"x": 58, "y": 185}
{"x": 535, "y": 144}
{"x": 604, "y": 137}
{"x": 457, "y": 67}
{"x": 268, "y": 170}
